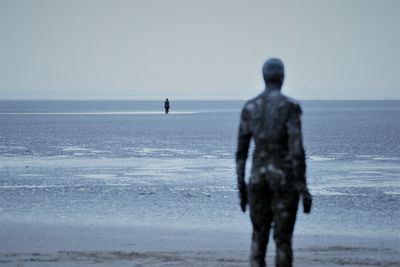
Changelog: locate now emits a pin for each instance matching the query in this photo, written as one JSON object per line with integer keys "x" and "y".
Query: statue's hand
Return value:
{"x": 243, "y": 195}
{"x": 307, "y": 201}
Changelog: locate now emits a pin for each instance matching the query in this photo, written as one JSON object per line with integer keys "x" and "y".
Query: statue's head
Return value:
{"x": 273, "y": 72}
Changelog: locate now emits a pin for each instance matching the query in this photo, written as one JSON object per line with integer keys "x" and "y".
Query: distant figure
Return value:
{"x": 166, "y": 106}
{"x": 277, "y": 178}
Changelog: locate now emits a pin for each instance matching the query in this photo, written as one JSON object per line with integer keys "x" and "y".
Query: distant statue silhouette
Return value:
{"x": 166, "y": 106}
{"x": 278, "y": 170}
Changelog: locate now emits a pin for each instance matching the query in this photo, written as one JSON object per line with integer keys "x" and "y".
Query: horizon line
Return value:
{"x": 190, "y": 99}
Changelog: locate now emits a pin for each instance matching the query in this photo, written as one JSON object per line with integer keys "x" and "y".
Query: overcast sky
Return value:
{"x": 198, "y": 49}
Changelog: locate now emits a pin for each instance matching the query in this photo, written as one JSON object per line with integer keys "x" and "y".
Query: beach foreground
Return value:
{"x": 63, "y": 245}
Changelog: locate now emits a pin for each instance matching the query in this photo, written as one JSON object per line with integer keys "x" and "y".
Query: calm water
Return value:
{"x": 124, "y": 162}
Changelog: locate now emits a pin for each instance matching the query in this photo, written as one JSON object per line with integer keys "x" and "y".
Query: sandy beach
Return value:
{"x": 149, "y": 190}
{"x": 66, "y": 245}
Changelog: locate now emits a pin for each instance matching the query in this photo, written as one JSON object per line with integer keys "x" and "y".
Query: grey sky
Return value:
{"x": 198, "y": 49}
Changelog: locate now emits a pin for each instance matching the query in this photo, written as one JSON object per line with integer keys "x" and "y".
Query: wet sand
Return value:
{"x": 28, "y": 244}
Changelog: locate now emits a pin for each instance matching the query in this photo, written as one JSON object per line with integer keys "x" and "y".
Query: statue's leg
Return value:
{"x": 284, "y": 207}
{"x": 261, "y": 217}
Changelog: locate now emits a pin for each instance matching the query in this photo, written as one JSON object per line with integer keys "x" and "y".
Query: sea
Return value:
{"x": 126, "y": 163}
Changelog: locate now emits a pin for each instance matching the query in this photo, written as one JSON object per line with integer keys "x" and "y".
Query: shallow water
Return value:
{"x": 126, "y": 163}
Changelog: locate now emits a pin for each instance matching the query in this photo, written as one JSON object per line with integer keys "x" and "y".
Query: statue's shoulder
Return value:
{"x": 253, "y": 104}
{"x": 292, "y": 104}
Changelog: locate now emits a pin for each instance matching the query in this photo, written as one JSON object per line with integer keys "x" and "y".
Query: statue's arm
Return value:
{"x": 296, "y": 148}
{"x": 244, "y": 138}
